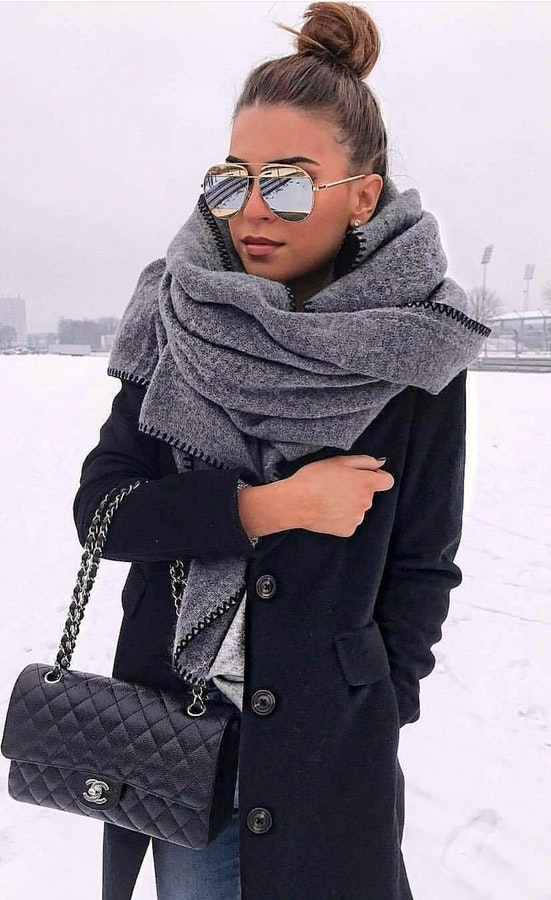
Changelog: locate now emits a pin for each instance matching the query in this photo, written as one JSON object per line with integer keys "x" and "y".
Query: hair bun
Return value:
{"x": 341, "y": 32}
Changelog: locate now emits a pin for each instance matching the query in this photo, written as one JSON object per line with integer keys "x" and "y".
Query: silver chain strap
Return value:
{"x": 93, "y": 549}
{"x": 178, "y": 581}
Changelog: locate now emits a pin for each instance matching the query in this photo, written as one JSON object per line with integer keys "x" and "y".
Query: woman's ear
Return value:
{"x": 369, "y": 191}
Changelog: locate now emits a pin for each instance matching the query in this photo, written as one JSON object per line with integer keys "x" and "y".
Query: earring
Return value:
{"x": 356, "y": 222}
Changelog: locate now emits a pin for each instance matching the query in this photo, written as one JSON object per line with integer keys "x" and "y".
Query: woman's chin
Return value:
{"x": 272, "y": 272}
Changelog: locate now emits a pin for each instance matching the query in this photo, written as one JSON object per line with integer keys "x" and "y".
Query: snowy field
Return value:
{"x": 477, "y": 764}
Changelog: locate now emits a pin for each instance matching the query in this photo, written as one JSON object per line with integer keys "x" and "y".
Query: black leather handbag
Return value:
{"x": 158, "y": 762}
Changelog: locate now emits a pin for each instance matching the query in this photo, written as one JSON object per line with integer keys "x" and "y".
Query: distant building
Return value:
{"x": 520, "y": 333}
{"x": 41, "y": 340}
{"x": 13, "y": 315}
{"x": 71, "y": 349}
{"x": 519, "y": 341}
{"x": 87, "y": 331}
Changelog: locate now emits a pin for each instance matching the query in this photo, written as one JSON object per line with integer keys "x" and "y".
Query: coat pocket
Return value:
{"x": 133, "y": 590}
{"x": 362, "y": 654}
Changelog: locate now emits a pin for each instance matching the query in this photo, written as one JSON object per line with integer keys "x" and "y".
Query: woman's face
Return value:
{"x": 265, "y": 134}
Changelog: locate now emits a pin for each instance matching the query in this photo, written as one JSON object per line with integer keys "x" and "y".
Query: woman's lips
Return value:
{"x": 261, "y": 249}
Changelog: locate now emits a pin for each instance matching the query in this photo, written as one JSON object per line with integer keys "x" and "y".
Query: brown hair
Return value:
{"x": 335, "y": 50}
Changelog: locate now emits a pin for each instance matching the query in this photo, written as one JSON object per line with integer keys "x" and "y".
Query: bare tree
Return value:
{"x": 483, "y": 304}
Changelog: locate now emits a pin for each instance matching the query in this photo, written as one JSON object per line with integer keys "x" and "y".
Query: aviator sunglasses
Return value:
{"x": 287, "y": 190}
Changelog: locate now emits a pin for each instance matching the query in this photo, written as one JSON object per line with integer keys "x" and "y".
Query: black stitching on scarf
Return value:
{"x": 127, "y": 376}
{"x": 181, "y": 445}
{"x": 451, "y": 311}
{"x": 219, "y": 240}
{"x": 292, "y": 302}
{"x": 361, "y": 242}
{"x": 190, "y": 449}
{"x": 206, "y": 620}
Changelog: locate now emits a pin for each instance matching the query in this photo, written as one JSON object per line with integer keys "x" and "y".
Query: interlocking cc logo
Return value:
{"x": 94, "y": 791}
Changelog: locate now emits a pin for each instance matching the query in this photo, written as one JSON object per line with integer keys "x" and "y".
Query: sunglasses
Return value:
{"x": 287, "y": 190}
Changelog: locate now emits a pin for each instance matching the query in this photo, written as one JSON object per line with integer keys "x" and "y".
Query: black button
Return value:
{"x": 263, "y": 702}
{"x": 259, "y": 820}
{"x": 266, "y": 586}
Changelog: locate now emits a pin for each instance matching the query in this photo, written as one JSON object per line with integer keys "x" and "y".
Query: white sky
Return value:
{"x": 112, "y": 111}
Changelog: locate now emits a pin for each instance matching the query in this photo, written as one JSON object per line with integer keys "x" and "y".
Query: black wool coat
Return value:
{"x": 342, "y": 641}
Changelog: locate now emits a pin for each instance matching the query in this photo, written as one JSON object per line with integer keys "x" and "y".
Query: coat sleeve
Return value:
{"x": 169, "y": 516}
{"x": 413, "y": 599}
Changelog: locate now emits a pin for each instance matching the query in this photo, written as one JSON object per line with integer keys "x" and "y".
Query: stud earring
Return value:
{"x": 356, "y": 222}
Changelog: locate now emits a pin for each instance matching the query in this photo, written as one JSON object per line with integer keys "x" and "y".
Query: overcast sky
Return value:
{"x": 112, "y": 111}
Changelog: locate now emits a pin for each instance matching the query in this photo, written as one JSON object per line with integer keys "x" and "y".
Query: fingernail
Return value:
{"x": 381, "y": 457}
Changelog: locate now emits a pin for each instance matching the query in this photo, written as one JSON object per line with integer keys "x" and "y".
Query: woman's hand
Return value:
{"x": 331, "y": 495}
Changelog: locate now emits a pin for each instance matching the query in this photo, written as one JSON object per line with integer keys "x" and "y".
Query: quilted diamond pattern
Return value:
{"x": 128, "y": 734}
{"x": 137, "y": 810}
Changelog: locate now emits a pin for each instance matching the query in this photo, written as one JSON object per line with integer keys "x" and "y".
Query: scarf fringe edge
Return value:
{"x": 127, "y": 376}
{"x": 209, "y": 617}
{"x": 158, "y": 432}
{"x": 185, "y": 446}
{"x": 452, "y": 312}
{"x": 187, "y": 675}
{"x": 208, "y": 216}
{"x": 223, "y": 607}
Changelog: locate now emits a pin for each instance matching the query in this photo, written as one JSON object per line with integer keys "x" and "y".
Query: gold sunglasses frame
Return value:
{"x": 273, "y": 166}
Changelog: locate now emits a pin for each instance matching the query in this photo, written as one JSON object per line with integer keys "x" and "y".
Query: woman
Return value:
{"x": 225, "y": 386}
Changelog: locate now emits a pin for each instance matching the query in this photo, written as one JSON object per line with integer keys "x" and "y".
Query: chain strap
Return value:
{"x": 178, "y": 582}
{"x": 93, "y": 549}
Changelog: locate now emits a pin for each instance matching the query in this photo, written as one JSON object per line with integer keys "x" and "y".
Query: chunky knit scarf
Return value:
{"x": 236, "y": 376}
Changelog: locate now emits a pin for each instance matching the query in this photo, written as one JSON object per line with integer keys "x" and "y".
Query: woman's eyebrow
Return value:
{"x": 289, "y": 160}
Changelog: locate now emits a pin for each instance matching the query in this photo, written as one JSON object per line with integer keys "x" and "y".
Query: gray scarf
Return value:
{"x": 237, "y": 377}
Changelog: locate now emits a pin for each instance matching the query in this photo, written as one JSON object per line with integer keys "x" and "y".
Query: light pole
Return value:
{"x": 528, "y": 274}
{"x": 486, "y": 256}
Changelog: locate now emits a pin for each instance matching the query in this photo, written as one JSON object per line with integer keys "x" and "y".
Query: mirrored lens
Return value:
{"x": 225, "y": 189}
{"x": 286, "y": 190}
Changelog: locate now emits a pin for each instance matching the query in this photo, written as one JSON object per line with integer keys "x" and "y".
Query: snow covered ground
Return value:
{"x": 477, "y": 763}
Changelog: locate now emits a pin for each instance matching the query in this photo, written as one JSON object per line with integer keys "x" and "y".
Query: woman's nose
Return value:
{"x": 256, "y": 205}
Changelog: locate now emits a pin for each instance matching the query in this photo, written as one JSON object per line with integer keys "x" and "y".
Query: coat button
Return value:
{"x": 266, "y": 586}
{"x": 259, "y": 820}
{"x": 263, "y": 702}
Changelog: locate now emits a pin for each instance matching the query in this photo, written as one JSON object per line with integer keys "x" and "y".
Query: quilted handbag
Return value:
{"x": 158, "y": 762}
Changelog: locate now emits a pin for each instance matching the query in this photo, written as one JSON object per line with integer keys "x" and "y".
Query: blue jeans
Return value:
{"x": 208, "y": 874}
